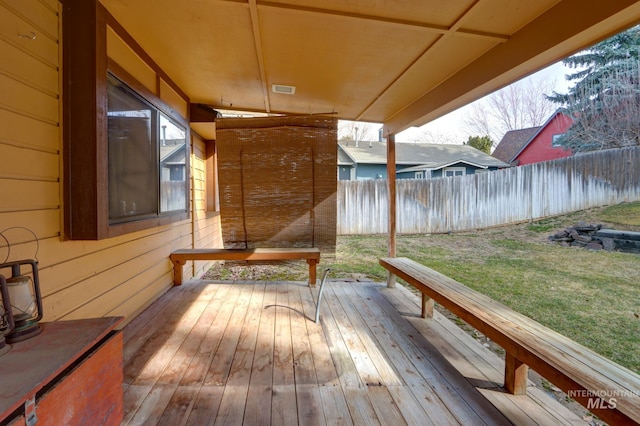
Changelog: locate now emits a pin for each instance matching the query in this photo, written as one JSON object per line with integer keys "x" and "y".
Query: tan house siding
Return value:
{"x": 206, "y": 224}
{"x": 79, "y": 279}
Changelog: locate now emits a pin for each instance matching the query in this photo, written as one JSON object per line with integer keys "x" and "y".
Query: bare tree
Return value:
{"x": 357, "y": 131}
{"x": 433, "y": 137}
{"x": 521, "y": 105}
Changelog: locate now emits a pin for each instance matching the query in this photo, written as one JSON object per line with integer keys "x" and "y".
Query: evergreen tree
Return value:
{"x": 482, "y": 143}
{"x": 605, "y": 99}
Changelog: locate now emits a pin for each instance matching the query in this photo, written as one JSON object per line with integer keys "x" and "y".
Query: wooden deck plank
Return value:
{"x": 304, "y": 368}
{"x": 258, "y": 406}
{"x": 389, "y": 375}
{"x": 405, "y": 360}
{"x": 384, "y": 406}
{"x": 482, "y": 367}
{"x": 360, "y": 406}
{"x": 334, "y": 404}
{"x": 163, "y": 354}
{"x": 284, "y": 406}
{"x": 412, "y": 411}
{"x": 345, "y": 366}
{"x": 221, "y": 363}
{"x": 233, "y": 404}
{"x": 205, "y": 406}
{"x": 257, "y": 410}
{"x": 309, "y": 403}
{"x": 283, "y": 374}
{"x": 251, "y": 354}
{"x": 140, "y": 346}
{"x": 462, "y": 399}
{"x": 222, "y": 303}
{"x": 179, "y": 406}
{"x": 365, "y": 367}
{"x": 326, "y": 373}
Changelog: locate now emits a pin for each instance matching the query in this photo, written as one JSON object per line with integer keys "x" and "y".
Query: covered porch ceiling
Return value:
{"x": 398, "y": 62}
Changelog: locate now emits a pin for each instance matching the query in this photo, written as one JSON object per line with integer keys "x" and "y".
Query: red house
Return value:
{"x": 535, "y": 144}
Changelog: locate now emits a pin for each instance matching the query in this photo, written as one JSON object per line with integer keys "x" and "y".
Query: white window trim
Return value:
{"x": 454, "y": 170}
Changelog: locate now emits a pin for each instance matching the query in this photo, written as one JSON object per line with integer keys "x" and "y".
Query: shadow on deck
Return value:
{"x": 250, "y": 353}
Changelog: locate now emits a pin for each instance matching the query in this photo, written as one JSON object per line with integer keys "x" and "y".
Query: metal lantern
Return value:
{"x": 25, "y": 300}
{"x": 6, "y": 319}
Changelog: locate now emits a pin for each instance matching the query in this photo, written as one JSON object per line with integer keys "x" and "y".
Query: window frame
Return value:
{"x": 554, "y": 139}
{"x": 454, "y": 170}
{"x": 84, "y": 131}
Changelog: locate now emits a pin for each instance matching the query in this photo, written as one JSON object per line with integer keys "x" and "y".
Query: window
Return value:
{"x": 453, "y": 171}
{"x": 147, "y": 157}
{"x": 126, "y": 145}
{"x": 419, "y": 175}
{"x": 555, "y": 140}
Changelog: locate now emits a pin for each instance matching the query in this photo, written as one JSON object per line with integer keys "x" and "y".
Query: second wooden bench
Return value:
{"x": 605, "y": 388}
{"x": 180, "y": 257}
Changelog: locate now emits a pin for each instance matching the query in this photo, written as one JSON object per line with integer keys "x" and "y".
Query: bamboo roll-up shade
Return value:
{"x": 278, "y": 181}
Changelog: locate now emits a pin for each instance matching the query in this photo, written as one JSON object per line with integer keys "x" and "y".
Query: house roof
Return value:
{"x": 513, "y": 142}
{"x": 425, "y": 155}
{"x": 344, "y": 159}
{"x": 367, "y": 60}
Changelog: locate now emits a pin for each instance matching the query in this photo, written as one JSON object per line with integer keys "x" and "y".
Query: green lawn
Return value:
{"x": 592, "y": 297}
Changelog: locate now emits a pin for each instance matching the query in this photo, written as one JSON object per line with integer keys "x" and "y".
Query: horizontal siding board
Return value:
{"x": 43, "y": 18}
{"x": 44, "y": 223}
{"x": 42, "y": 165}
{"x": 20, "y": 130}
{"x": 23, "y": 67}
{"x": 16, "y": 194}
{"x": 112, "y": 299}
{"x": 58, "y": 277}
{"x": 44, "y": 46}
{"x": 63, "y": 303}
{"x": 142, "y": 298}
{"x": 21, "y": 98}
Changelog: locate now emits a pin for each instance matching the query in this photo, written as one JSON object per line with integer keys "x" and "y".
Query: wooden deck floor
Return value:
{"x": 250, "y": 353}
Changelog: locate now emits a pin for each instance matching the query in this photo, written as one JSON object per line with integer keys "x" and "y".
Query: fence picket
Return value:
{"x": 513, "y": 195}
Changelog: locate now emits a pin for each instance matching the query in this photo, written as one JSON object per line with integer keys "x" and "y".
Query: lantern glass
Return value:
{"x": 23, "y": 300}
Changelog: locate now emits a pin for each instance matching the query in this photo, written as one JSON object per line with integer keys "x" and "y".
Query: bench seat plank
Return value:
{"x": 182, "y": 256}
{"x": 565, "y": 363}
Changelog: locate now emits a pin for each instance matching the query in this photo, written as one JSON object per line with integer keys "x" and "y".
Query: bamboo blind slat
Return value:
{"x": 278, "y": 181}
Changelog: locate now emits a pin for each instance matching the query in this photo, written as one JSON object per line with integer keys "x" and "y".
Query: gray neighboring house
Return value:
{"x": 368, "y": 160}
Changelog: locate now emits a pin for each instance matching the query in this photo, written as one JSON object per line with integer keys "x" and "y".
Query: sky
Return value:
{"x": 447, "y": 129}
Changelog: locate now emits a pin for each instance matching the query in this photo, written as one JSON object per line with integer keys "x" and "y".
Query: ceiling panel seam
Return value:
{"x": 257, "y": 39}
{"x": 453, "y": 28}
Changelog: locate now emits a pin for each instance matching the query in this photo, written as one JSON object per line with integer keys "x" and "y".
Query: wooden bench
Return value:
{"x": 180, "y": 257}
{"x": 607, "y": 389}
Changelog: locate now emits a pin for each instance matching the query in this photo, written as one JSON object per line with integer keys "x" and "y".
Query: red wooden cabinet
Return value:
{"x": 70, "y": 374}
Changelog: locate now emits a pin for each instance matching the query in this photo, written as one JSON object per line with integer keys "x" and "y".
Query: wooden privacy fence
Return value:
{"x": 484, "y": 200}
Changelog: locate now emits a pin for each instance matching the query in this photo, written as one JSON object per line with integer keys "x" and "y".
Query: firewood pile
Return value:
{"x": 579, "y": 235}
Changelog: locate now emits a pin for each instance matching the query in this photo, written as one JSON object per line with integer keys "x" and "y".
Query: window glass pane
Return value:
{"x": 173, "y": 173}
{"x": 133, "y": 154}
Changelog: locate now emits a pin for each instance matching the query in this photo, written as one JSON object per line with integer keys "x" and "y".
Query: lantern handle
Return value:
{"x": 35, "y": 256}
{"x": 8, "y": 247}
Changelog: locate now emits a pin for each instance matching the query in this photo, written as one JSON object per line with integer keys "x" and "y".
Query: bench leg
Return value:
{"x": 427, "y": 306}
{"x": 312, "y": 272}
{"x": 177, "y": 272}
{"x": 515, "y": 375}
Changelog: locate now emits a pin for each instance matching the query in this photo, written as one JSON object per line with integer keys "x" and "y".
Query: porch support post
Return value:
{"x": 391, "y": 182}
